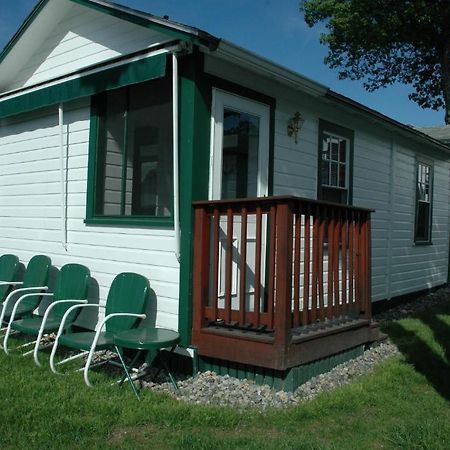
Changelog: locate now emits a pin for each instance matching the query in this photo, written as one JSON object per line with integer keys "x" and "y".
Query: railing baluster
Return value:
{"x": 330, "y": 264}
{"x": 337, "y": 231}
{"x": 344, "y": 262}
{"x": 297, "y": 249}
{"x": 315, "y": 266}
{"x": 243, "y": 268}
{"x": 271, "y": 281}
{"x": 351, "y": 262}
{"x": 321, "y": 214}
{"x": 257, "y": 301}
{"x": 306, "y": 259}
{"x": 228, "y": 265}
{"x": 357, "y": 305}
{"x": 215, "y": 253}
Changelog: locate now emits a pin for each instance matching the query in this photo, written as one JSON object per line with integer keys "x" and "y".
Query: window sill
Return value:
{"x": 148, "y": 222}
{"x": 419, "y": 243}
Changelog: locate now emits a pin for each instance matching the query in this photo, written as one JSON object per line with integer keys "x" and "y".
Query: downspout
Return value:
{"x": 176, "y": 169}
{"x": 63, "y": 177}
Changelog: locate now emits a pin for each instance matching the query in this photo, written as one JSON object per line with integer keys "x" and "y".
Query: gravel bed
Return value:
{"x": 212, "y": 389}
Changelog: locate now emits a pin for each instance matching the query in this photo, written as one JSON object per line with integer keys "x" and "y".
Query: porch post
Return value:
{"x": 283, "y": 280}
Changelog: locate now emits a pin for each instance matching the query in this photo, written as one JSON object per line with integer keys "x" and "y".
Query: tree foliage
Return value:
{"x": 388, "y": 41}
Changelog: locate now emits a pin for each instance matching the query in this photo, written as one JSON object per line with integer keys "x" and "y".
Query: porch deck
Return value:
{"x": 280, "y": 281}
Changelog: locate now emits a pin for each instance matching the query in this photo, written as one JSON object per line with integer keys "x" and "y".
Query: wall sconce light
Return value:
{"x": 294, "y": 125}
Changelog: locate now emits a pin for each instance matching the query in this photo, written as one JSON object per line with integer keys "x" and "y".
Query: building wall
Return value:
{"x": 384, "y": 174}
{"x": 30, "y": 219}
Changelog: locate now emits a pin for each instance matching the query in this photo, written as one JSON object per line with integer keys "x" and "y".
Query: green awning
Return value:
{"x": 86, "y": 85}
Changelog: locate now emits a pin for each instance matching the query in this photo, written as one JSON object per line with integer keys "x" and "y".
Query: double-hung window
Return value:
{"x": 424, "y": 190}
{"x": 133, "y": 150}
{"x": 335, "y": 163}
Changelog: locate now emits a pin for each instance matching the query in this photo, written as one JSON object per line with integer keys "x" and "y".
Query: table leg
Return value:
{"x": 127, "y": 374}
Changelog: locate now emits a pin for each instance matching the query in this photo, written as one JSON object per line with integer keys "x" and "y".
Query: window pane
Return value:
{"x": 422, "y": 226}
{"x": 112, "y": 140}
{"x": 325, "y": 172}
{"x": 149, "y": 187}
{"x": 342, "y": 150}
{"x": 326, "y": 147}
{"x": 342, "y": 175}
{"x": 334, "y": 174}
{"x": 335, "y": 149}
{"x": 240, "y": 155}
{"x": 134, "y": 173}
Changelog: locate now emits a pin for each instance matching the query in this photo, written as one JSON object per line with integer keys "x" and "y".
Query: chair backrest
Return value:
{"x": 37, "y": 271}
{"x": 9, "y": 264}
{"x": 72, "y": 283}
{"x": 36, "y": 274}
{"x": 128, "y": 293}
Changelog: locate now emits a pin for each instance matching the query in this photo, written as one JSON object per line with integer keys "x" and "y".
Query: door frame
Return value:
{"x": 220, "y": 100}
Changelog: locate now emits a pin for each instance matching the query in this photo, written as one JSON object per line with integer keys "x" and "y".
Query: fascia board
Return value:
{"x": 249, "y": 60}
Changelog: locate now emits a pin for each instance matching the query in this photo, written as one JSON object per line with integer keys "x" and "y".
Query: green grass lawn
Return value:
{"x": 404, "y": 404}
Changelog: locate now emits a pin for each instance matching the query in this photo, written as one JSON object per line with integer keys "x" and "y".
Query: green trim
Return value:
{"x": 195, "y": 117}
{"x": 346, "y": 133}
{"x": 133, "y": 221}
{"x": 27, "y": 22}
{"x": 287, "y": 380}
{"x": 92, "y": 160}
{"x": 96, "y": 162}
{"x": 87, "y": 85}
{"x": 429, "y": 163}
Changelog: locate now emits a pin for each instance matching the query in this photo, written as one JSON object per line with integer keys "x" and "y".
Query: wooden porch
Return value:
{"x": 280, "y": 281}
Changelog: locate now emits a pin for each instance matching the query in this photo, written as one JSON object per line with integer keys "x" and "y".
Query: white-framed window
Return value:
{"x": 424, "y": 198}
{"x": 335, "y": 163}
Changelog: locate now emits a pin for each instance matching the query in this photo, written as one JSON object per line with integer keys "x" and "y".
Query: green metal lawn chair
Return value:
{"x": 71, "y": 288}
{"x": 9, "y": 264}
{"x": 125, "y": 305}
{"x": 35, "y": 279}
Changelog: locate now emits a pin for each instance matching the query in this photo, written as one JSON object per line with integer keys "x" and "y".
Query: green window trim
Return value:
{"x": 324, "y": 127}
{"x": 146, "y": 69}
{"x": 95, "y": 172}
{"x": 427, "y": 240}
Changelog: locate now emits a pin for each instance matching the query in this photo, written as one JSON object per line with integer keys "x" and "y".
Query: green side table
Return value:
{"x": 145, "y": 339}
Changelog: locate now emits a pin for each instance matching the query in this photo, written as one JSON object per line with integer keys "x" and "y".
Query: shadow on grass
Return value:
{"x": 420, "y": 353}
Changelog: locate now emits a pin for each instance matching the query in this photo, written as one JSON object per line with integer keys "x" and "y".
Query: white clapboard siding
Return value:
{"x": 383, "y": 179}
{"x": 30, "y": 219}
{"x": 82, "y": 38}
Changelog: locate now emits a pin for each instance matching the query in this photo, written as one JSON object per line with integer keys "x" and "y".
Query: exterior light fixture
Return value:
{"x": 294, "y": 125}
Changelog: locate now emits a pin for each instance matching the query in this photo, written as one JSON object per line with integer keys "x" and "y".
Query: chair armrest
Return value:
{"x": 66, "y": 314}
{"x": 19, "y": 291}
{"x": 11, "y": 283}
{"x": 96, "y": 337}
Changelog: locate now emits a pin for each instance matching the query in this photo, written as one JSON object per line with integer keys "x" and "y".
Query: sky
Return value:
{"x": 274, "y": 29}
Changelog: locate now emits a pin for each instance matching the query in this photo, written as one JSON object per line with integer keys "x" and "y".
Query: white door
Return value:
{"x": 239, "y": 147}
{"x": 240, "y": 130}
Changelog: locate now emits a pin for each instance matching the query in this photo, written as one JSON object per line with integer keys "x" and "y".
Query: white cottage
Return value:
{"x": 118, "y": 127}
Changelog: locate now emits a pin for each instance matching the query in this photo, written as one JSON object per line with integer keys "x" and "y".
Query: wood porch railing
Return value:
{"x": 269, "y": 270}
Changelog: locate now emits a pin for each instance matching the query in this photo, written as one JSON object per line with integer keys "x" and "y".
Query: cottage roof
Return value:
{"x": 441, "y": 133}
{"x": 29, "y": 36}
